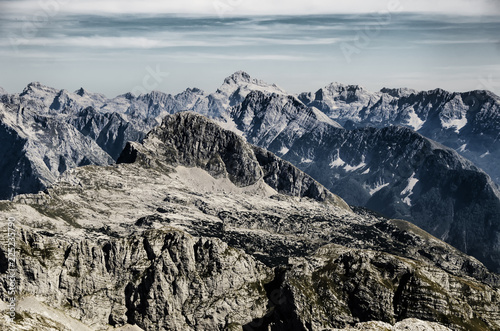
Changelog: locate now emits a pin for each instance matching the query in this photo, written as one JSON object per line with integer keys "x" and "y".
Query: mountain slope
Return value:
{"x": 36, "y": 149}
{"x": 393, "y": 170}
{"x": 467, "y": 122}
{"x": 403, "y": 175}
{"x": 168, "y": 241}
{"x": 358, "y": 166}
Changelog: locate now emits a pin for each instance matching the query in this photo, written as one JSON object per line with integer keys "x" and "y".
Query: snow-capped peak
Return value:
{"x": 238, "y": 77}
{"x": 242, "y": 80}
{"x": 36, "y": 88}
{"x": 335, "y": 86}
{"x": 398, "y": 92}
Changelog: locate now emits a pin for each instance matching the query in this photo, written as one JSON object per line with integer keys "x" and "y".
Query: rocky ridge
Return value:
{"x": 467, "y": 122}
{"x": 167, "y": 242}
{"x": 385, "y": 176}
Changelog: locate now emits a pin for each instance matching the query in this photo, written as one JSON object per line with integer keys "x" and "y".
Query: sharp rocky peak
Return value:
{"x": 238, "y": 77}
{"x": 191, "y": 140}
{"x": 241, "y": 79}
{"x": 81, "y": 92}
{"x": 335, "y": 86}
{"x": 35, "y": 87}
{"x": 398, "y": 92}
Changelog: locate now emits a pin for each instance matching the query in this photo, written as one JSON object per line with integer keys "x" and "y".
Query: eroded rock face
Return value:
{"x": 368, "y": 285}
{"x": 192, "y": 140}
{"x": 162, "y": 279}
{"x": 164, "y": 242}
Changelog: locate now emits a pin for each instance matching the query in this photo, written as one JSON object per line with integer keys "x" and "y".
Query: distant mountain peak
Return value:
{"x": 193, "y": 90}
{"x": 192, "y": 140}
{"x": 33, "y": 86}
{"x": 238, "y": 77}
{"x": 129, "y": 96}
{"x": 339, "y": 87}
{"x": 398, "y": 92}
{"x": 81, "y": 92}
{"x": 243, "y": 83}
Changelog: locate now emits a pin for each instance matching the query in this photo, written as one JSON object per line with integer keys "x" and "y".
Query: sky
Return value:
{"x": 114, "y": 47}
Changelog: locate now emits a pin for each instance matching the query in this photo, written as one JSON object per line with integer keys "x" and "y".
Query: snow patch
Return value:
{"x": 378, "y": 188}
{"x": 350, "y": 168}
{"x": 462, "y": 148}
{"x": 306, "y": 160}
{"x": 408, "y": 191}
{"x": 485, "y": 154}
{"x": 228, "y": 124}
{"x": 457, "y": 123}
{"x": 337, "y": 163}
{"x": 283, "y": 150}
{"x": 366, "y": 172}
{"x": 411, "y": 184}
{"x": 322, "y": 117}
{"x": 414, "y": 121}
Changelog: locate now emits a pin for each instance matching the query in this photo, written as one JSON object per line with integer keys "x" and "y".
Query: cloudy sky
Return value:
{"x": 115, "y": 47}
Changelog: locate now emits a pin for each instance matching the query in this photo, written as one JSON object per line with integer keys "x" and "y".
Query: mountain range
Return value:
{"x": 360, "y": 145}
{"x": 196, "y": 229}
{"x": 466, "y": 122}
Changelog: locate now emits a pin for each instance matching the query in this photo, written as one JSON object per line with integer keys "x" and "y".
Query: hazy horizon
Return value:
{"x": 115, "y": 47}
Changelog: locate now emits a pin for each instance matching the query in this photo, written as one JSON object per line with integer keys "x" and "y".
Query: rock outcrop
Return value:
{"x": 163, "y": 242}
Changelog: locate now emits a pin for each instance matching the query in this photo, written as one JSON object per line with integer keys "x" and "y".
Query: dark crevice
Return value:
{"x": 129, "y": 303}
{"x": 400, "y": 308}
{"x": 281, "y": 314}
{"x": 106, "y": 250}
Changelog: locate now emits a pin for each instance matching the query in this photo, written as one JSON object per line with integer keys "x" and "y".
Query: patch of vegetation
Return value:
{"x": 408, "y": 227}
{"x": 233, "y": 327}
{"x": 5, "y": 206}
{"x": 258, "y": 287}
{"x": 20, "y": 317}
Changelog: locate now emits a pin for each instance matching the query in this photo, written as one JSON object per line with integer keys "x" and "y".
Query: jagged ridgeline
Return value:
{"x": 382, "y": 158}
{"x": 196, "y": 229}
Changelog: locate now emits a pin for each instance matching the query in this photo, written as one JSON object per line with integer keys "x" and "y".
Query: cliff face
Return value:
{"x": 165, "y": 242}
{"x": 402, "y": 174}
{"x": 161, "y": 279}
{"x": 368, "y": 285}
{"x": 192, "y": 140}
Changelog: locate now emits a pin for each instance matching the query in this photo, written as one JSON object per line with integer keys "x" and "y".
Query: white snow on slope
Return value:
{"x": 485, "y": 154}
{"x": 378, "y": 188}
{"x": 457, "y": 123}
{"x": 337, "y": 163}
{"x": 462, "y": 148}
{"x": 322, "y": 117}
{"x": 408, "y": 191}
{"x": 350, "y": 168}
{"x": 228, "y": 124}
{"x": 283, "y": 150}
{"x": 414, "y": 121}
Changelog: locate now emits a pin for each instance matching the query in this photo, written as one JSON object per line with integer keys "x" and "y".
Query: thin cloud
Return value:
{"x": 455, "y": 42}
{"x": 254, "y": 7}
{"x": 147, "y": 43}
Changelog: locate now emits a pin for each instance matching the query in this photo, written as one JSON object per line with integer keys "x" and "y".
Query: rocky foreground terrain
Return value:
{"x": 196, "y": 229}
